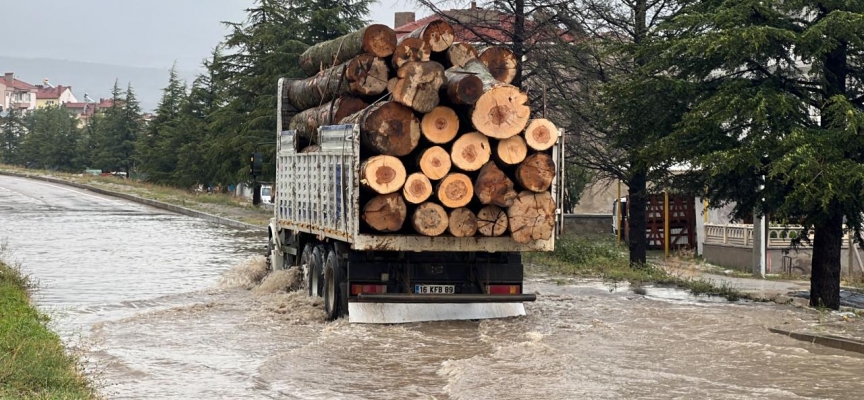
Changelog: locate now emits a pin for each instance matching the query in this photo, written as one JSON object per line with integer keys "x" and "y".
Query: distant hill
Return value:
{"x": 94, "y": 79}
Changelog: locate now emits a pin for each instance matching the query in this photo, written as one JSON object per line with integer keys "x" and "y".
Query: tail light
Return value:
{"x": 368, "y": 289}
{"x": 504, "y": 289}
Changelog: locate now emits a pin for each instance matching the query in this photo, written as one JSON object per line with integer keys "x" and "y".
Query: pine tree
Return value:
{"x": 12, "y": 132}
{"x": 156, "y": 150}
{"x": 780, "y": 87}
{"x": 52, "y": 139}
{"x": 114, "y": 143}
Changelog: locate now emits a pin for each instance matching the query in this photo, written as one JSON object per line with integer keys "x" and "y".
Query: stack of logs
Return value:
{"x": 448, "y": 144}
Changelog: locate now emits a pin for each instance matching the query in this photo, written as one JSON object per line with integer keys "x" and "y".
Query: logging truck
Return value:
{"x": 410, "y": 178}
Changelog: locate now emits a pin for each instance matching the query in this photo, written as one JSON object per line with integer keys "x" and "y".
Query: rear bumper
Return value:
{"x": 444, "y": 298}
{"x": 399, "y": 313}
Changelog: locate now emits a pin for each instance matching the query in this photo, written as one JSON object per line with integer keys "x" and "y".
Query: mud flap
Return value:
{"x": 399, "y": 313}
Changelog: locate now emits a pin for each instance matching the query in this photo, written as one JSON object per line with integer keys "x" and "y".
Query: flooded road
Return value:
{"x": 162, "y": 304}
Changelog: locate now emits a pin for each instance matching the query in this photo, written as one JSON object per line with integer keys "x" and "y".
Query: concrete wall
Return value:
{"x": 741, "y": 259}
{"x": 588, "y": 224}
{"x": 598, "y": 196}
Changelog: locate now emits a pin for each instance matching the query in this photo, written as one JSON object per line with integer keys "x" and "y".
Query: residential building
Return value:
{"x": 85, "y": 110}
{"x": 49, "y": 95}
{"x": 17, "y": 94}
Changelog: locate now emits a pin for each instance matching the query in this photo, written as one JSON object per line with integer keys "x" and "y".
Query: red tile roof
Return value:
{"x": 488, "y": 25}
{"x": 18, "y": 84}
{"x": 51, "y": 93}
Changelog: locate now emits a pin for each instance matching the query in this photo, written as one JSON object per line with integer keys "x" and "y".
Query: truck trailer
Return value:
{"x": 377, "y": 277}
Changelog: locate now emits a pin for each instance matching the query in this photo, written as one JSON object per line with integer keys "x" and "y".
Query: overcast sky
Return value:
{"x": 143, "y": 33}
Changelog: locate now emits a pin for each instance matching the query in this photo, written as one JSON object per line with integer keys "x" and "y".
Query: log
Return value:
{"x": 430, "y": 219}
{"x": 462, "y": 88}
{"x": 491, "y": 221}
{"x": 418, "y": 84}
{"x": 382, "y": 174}
{"x": 501, "y": 61}
{"x": 455, "y": 190}
{"x": 307, "y": 122}
{"x": 511, "y": 151}
{"x": 501, "y": 111}
{"x": 387, "y": 128}
{"x": 410, "y": 49}
{"x": 536, "y": 172}
{"x": 434, "y": 162}
{"x": 532, "y": 216}
{"x": 440, "y": 125}
{"x": 463, "y": 223}
{"x": 471, "y": 151}
{"x": 385, "y": 213}
{"x": 492, "y": 186}
{"x": 364, "y": 75}
{"x": 378, "y": 40}
{"x": 541, "y": 134}
{"x": 438, "y": 35}
{"x": 460, "y": 53}
{"x": 417, "y": 188}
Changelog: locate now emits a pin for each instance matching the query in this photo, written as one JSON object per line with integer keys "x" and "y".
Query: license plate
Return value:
{"x": 434, "y": 289}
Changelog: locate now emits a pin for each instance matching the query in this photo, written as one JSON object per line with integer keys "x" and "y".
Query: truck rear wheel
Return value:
{"x": 333, "y": 279}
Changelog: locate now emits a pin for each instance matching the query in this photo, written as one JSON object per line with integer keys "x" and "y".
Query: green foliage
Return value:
{"x": 117, "y": 131}
{"x": 33, "y": 362}
{"x": 12, "y": 133}
{"x": 44, "y": 138}
{"x": 158, "y": 148}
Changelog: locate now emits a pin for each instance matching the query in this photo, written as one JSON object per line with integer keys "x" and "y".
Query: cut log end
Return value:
{"x": 367, "y": 75}
{"x": 501, "y": 112}
{"x": 385, "y": 213}
{"x": 463, "y": 88}
{"x": 492, "y": 221}
{"x": 430, "y": 219}
{"x": 541, "y": 134}
{"x": 471, "y": 151}
{"x": 501, "y": 62}
{"x": 532, "y": 217}
{"x": 440, "y": 125}
{"x": 383, "y": 174}
{"x": 379, "y": 40}
{"x": 387, "y": 128}
{"x": 455, "y": 190}
{"x": 512, "y": 151}
{"x": 494, "y": 187}
{"x": 438, "y": 34}
{"x": 417, "y": 188}
{"x": 435, "y": 162}
{"x": 410, "y": 49}
{"x": 418, "y": 85}
{"x": 536, "y": 172}
{"x": 459, "y": 53}
{"x": 463, "y": 223}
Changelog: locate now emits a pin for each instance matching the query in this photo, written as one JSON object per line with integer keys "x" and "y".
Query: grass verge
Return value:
{"x": 33, "y": 362}
{"x": 600, "y": 257}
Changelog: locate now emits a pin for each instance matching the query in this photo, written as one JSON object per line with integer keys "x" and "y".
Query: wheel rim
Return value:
{"x": 314, "y": 282}
{"x": 331, "y": 290}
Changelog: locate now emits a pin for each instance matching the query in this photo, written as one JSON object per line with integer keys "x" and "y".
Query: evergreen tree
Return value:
{"x": 156, "y": 150}
{"x": 780, "y": 87}
{"x": 52, "y": 139}
{"x": 114, "y": 142}
{"x": 12, "y": 132}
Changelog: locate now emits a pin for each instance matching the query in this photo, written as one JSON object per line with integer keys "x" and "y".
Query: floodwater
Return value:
{"x": 168, "y": 307}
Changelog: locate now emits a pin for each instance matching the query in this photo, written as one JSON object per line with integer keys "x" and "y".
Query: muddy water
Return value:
{"x": 195, "y": 321}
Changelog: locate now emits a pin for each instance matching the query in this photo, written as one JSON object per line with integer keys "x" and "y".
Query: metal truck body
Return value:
{"x": 383, "y": 278}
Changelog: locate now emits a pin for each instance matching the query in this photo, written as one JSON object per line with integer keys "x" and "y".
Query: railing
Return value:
{"x": 741, "y": 235}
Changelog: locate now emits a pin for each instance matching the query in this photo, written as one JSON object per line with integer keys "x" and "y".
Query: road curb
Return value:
{"x": 152, "y": 203}
{"x": 824, "y": 340}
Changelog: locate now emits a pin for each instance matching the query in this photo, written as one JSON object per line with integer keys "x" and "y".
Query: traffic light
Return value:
{"x": 256, "y": 164}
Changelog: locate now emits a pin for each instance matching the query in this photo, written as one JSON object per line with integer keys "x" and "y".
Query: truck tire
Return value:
{"x": 316, "y": 272}
{"x": 333, "y": 279}
{"x": 307, "y": 260}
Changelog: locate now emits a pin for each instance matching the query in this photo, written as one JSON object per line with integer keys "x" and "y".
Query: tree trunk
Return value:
{"x": 385, "y": 213}
{"x": 455, "y": 190}
{"x": 541, "y": 134}
{"x": 501, "y": 111}
{"x": 825, "y": 267}
{"x": 536, "y": 172}
{"x": 460, "y": 53}
{"x": 501, "y": 62}
{"x": 440, "y": 125}
{"x": 463, "y": 223}
{"x": 387, "y": 128}
{"x": 434, "y": 162}
{"x": 382, "y": 174}
{"x": 494, "y": 187}
{"x": 471, "y": 151}
{"x": 418, "y": 85}
{"x": 438, "y": 35}
{"x": 430, "y": 219}
{"x": 410, "y": 49}
{"x": 532, "y": 217}
{"x": 462, "y": 87}
{"x": 492, "y": 221}
{"x": 636, "y": 222}
{"x": 378, "y": 40}
{"x": 511, "y": 151}
{"x": 364, "y": 75}
{"x": 307, "y": 122}
{"x": 417, "y": 188}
